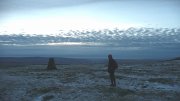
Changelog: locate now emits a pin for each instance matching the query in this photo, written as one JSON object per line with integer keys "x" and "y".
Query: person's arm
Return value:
{"x": 109, "y": 67}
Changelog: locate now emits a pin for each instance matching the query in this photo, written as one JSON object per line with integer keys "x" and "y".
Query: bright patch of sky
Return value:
{"x": 48, "y": 17}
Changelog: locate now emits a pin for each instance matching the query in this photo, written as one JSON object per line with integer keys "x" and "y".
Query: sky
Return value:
{"x": 49, "y": 16}
{"x": 156, "y": 32}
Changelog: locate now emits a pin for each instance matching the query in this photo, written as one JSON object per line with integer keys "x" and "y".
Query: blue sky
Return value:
{"x": 49, "y": 16}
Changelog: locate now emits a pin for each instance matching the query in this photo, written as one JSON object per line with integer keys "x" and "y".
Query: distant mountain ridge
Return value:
{"x": 44, "y": 61}
{"x": 177, "y": 58}
{"x": 24, "y": 61}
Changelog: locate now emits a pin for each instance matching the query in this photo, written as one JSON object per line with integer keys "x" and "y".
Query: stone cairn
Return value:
{"x": 51, "y": 64}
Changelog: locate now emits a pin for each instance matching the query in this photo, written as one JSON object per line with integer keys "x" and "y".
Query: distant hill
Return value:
{"x": 177, "y": 58}
{"x": 18, "y": 61}
{"x": 21, "y": 61}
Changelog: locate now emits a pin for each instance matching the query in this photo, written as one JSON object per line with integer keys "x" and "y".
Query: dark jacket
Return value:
{"x": 112, "y": 65}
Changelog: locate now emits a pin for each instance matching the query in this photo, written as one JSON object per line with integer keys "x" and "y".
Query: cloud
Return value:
{"x": 11, "y": 5}
{"x": 132, "y": 37}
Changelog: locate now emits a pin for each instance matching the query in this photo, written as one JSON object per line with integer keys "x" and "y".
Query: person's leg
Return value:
{"x": 111, "y": 78}
{"x": 114, "y": 80}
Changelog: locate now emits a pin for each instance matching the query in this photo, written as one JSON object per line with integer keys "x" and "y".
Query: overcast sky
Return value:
{"x": 49, "y": 16}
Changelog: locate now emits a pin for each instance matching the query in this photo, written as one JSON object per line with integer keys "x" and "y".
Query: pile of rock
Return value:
{"x": 51, "y": 64}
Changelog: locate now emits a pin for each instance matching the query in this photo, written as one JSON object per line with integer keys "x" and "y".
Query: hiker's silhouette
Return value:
{"x": 112, "y": 65}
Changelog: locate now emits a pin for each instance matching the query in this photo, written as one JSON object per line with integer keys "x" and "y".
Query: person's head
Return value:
{"x": 110, "y": 56}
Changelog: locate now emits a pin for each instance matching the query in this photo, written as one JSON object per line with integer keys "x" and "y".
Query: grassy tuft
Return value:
{"x": 115, "y": 90}
{"x": 48, "y": 97}
{"x": 161, "y": 80}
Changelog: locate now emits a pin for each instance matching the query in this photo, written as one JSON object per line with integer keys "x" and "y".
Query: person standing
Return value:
{"x": 112, "y": 66}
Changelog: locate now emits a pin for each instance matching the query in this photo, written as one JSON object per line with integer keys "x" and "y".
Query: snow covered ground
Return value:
{"x": 135, "y": 82}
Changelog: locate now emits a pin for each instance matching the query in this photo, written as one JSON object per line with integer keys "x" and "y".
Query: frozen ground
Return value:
{"x": 135, "y": 82}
